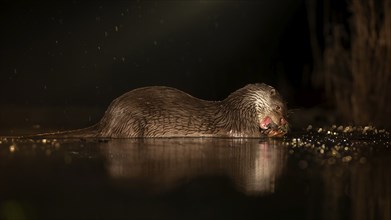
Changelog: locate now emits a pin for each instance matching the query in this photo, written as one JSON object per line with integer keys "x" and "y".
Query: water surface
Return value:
{"x": 310, "y": 175}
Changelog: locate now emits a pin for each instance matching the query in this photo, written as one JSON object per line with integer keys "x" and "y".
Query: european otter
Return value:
{"x": 253, "y": 111}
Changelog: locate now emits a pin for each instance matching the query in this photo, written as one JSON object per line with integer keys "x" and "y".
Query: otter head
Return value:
{"x": 270, "y": 109}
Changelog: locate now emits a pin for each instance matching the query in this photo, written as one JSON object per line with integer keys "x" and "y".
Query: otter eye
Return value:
{"x": 278, "y": 108}
{"x": 272, "y": 92}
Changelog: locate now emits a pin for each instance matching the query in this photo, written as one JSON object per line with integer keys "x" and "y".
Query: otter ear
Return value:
{"x": 272, "y": 92}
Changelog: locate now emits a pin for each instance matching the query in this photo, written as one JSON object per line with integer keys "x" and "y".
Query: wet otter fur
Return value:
{"x": 255, "y": 110}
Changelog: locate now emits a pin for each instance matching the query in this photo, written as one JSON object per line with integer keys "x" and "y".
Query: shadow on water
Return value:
{"x": 185, "y": 178}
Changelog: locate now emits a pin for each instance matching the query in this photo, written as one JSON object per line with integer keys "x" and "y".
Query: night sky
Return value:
{"x": 68, "y": 53}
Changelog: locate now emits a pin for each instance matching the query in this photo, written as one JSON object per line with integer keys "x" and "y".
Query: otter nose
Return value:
{"x": 283, "y": 121}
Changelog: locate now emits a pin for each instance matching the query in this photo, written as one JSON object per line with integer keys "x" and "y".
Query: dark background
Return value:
{"x": 57, "y": 55}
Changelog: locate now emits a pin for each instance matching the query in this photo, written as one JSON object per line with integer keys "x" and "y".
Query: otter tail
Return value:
{"x": 89, "y": 132}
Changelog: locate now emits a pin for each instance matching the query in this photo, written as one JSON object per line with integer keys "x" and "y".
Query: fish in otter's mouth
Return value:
{"x": 269, "y": 128}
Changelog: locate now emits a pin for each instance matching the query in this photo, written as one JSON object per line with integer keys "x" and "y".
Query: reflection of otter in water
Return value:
{"x": 252, "y": 111}
{"x": 163, "y": 164}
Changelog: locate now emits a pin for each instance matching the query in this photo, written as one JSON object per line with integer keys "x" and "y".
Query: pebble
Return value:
{"x": 339, "y": 143}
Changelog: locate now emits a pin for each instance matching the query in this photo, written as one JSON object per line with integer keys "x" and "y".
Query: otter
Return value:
{"x": 256, "y": 110}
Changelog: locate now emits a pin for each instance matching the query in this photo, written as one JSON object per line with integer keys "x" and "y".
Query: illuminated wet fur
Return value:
{"x": 167, "y": 112}
{"x": 253, "y": 111}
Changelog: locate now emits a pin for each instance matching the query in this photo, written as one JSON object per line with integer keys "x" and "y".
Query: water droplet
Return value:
{"x": 347, "y": 159}
{"x": 12, "y": 148}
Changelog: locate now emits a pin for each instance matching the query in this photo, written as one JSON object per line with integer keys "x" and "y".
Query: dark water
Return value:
{"x": 311, "y": 175}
